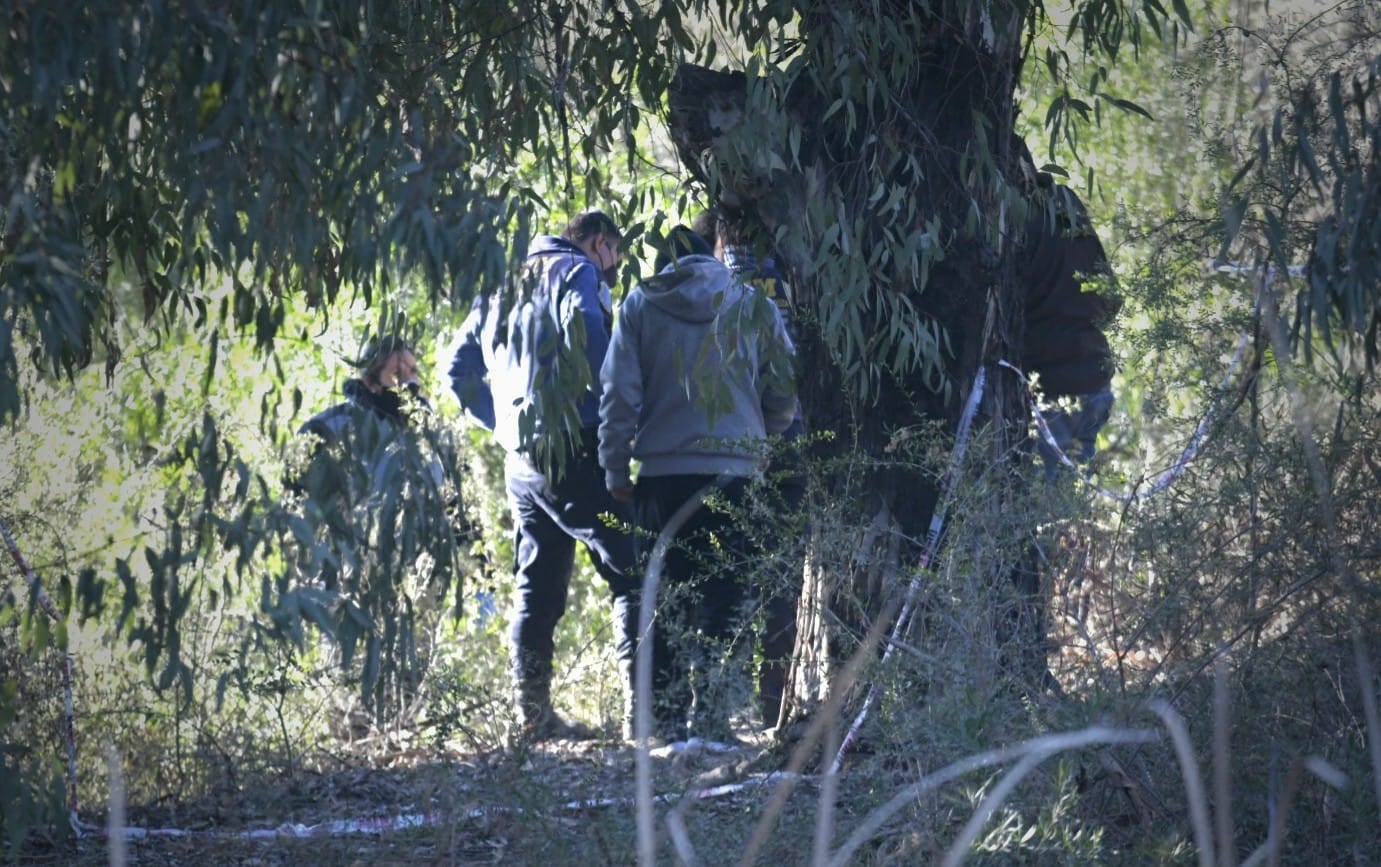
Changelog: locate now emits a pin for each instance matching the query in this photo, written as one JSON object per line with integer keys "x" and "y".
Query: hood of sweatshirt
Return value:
{"x": 552, "y": 245}
{"x": 695, "y": 289}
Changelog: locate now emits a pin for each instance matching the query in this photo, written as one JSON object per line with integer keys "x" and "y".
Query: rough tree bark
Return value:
{"x": 935, "y": 117}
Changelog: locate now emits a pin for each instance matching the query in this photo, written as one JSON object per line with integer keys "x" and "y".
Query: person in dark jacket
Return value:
{"x": 369, "y": 470}
{"x": 1066, "y": 282}
{"x": 377, "y": 404}
{"x": 387, "y": 389}
{"x": 526, "y": 367}
{"x": 1066, "y": 277}
{"x": 699, "y": 373}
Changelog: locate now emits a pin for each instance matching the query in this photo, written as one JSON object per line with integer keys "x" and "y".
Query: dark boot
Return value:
{"x": 628, "y": 720}
{"x": 710, "y": 710}
{"x": 538, "y": 721}
{"x": 778, "y": 648}
{"x": 670, "y": 696}
{"x": 771, "y": 687}
{"x": 664, "y": 729}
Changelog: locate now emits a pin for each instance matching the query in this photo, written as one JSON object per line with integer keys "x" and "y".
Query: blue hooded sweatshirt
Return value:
{"x": 527, "y": 363}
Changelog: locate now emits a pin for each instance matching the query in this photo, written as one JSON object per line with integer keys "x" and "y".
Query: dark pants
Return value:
{"x": 549, "y": 518}
{"x": 1075, "y": 432}
{"x": 1022, "y": 630}
{"x": 786, "y": 482}
{"x": 704, "y": 593}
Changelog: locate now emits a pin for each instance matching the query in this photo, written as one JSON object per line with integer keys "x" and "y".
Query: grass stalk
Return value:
{"x": 1045, "y": 745}
{"x": 1193, "y": 785}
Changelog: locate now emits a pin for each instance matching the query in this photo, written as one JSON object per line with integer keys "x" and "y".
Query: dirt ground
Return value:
{"x": 558, "y": 803}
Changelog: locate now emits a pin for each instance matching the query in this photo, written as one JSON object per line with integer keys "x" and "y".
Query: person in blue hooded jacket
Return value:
{"x": 526, "y": 367}
{"x": 699, "y": 372}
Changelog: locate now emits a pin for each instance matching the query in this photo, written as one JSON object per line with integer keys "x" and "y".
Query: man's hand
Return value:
{"x": 622, "y": 493}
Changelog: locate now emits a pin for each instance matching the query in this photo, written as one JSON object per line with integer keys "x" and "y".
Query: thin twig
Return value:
{"x": 680, "y": 838}
{"x": 115, "y": 819}
{"x": 1222, "y": 770}
{"x": 827, "y": 715}
{"x": 1279, "y": 817}
{"x": 824, "y": 811}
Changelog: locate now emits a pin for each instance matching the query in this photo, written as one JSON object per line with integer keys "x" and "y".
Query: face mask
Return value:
{"x": 400, "y": 401}
{"x": 611, "y": 275}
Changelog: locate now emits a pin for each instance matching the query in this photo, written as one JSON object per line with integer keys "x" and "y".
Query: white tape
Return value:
{"x": 376, "y": 825}
{"x": 932, "y": 542}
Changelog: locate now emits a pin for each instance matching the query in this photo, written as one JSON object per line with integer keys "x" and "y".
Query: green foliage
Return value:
{"x": 32, "y": 782}
{"x": 287, "y": 150}
{"x": 202, "y": 203}
{"x": 1327, "y": 142}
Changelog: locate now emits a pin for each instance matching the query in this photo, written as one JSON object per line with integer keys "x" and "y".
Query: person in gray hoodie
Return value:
{"x": 698, "y": 373}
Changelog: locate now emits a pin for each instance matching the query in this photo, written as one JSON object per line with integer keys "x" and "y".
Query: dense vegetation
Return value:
{"x": 206, "y": 206}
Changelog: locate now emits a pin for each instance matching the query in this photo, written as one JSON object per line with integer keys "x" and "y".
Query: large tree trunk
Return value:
{"x": 931, "y": 114}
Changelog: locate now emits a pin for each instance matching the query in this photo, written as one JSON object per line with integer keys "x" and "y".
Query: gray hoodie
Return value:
{"x": 698, "y": 373}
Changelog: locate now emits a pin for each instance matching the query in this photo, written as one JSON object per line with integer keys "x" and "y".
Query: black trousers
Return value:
{"x": 702, "y": 593}
{"x": 549, "y": 517}
{"x": 786, "y": 489}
